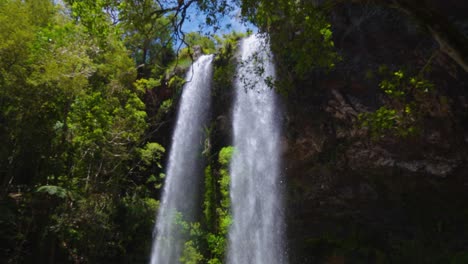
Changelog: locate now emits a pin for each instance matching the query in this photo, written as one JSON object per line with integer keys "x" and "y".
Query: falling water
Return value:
{"x": 255, "y": 236}
{"x": 180, "y": 188}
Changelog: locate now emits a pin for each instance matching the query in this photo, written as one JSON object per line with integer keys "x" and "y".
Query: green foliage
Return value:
{"x": 208, "y": 201}
{"x": 142, "y": 85}
{"x": 151, "y": 153}
{"x": 398, "y": 85}
{"x": 224, "y": 64}
{"x": 223, "y": 212}
{"x": 300, "y": 37}
{"x": 176, "y": 83}
{"x": 135, "y": 216}
{"x": 179, "y": 66}
{"x": 217, "y": 240}
{"x": 387, "y": 121}
{"x": 54, "y": 191}
{"x": 147, "y": 34}
{"x": 184, "y": 59}
{"x": 72, "y": 121}
{"x": 410, "y": 99}
{"x": 190, "y": 254}
{"x": 211, "y": 240}
{"x": 90, "y": 14}
{"x": 164, "y": 109}
{"x": 205, "y": 42}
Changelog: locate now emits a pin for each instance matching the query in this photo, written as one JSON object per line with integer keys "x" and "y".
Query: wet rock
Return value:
{"x": 339, "y": 108}
{"x": 197, "y": 52}
{"x": 413, "y": 166}
{"x": 440, "y": 169}
{"x": 359, "y": 156}
{"x": 307, "y": 145}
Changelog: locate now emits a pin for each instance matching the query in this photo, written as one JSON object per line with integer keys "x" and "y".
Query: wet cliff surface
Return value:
{"x": 353, "y": 198}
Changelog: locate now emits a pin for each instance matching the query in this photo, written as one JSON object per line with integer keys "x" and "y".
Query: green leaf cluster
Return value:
{"x": 409, "y": 99}
{"x": 54, "y": 191}
{"x": 151, "y": 153}
{"x": 386, "y": 121}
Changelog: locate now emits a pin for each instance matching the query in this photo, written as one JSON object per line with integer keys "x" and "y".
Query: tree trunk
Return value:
{"x": 451, "y": 41}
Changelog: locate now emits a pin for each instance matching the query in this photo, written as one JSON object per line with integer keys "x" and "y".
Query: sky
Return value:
{"x": 233, "y": 20}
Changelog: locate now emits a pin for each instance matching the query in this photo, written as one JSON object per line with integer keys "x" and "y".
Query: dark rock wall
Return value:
{"x": 351, "y": 199}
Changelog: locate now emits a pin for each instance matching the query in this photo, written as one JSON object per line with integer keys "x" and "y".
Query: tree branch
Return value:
{"x": 451, "y": 41}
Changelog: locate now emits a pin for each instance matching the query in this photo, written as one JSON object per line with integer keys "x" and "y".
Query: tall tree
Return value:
{"x": 147, "y": 34}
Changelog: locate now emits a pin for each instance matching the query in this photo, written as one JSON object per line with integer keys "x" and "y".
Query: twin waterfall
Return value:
{"x": 256, "y": 232}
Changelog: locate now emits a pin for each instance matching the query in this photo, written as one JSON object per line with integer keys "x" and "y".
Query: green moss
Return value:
{"x": 218, "y": 215}
{"x": 224, "y": 159}
{"x": 208, "y": 201}
{"x": 225, "y": 155}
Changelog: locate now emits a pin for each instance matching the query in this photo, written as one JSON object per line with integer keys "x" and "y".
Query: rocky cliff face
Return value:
{"x": 353, "y": 199}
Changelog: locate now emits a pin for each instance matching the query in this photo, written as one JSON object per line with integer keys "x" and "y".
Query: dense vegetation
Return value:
{"x": 84, "y": 89}
{"x": 76, "y": 155}
{"x": 87, "y": 97}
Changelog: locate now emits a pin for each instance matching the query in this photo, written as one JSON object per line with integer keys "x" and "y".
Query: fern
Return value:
{"x": 54, "y": 190}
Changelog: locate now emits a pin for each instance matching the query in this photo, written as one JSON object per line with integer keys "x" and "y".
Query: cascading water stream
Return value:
{"x": 256, "y": 233}
{"x": 179, "y": 198}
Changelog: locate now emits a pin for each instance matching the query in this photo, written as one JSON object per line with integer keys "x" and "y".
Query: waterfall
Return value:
{"x": 255, "y": 235}
{"x": 181, "y": 188}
